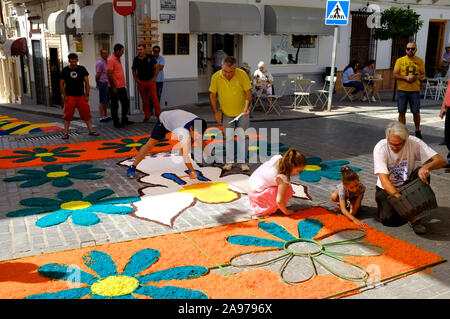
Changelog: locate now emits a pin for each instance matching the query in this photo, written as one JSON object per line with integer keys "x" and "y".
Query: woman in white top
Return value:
{"x": 262, "y": 80}
{"x": 270, "y": 184}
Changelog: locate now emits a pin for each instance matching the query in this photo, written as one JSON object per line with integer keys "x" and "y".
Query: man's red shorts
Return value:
{"x": 79, "y": 102}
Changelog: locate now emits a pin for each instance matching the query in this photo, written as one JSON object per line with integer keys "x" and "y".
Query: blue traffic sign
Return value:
{"x": 337, "y": 12}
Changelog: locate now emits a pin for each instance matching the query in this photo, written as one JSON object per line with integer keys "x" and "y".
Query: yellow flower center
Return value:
{"x": 211, "y": 193}
{"x": 44, "y": 154}
{"x": 312, "y": 168}
{"x": 75, "y": 205}
{"x": 57, "y": 174}
{"x": 115, "y": 286}
{"x": 133, "y": 145}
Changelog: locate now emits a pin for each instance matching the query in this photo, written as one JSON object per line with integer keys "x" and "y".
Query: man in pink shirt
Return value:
{"x": 445, "y": 113}
{"x": 117, "y": 84}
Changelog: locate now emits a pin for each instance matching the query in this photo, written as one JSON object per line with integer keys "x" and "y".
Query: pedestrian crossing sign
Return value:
{"x": 337, "y": 12}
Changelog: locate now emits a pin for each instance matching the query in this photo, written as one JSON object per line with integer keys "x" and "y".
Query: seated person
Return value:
{"x": 352, "y": 78}
{"x": 262, "y": 80}
{"x": 395, "y": 164}
{"x": 368, "y": 73}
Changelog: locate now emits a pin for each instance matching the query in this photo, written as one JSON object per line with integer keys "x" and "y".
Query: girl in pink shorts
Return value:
{"x": 270, "y": 184}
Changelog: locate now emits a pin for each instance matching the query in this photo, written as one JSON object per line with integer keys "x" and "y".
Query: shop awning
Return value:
{"x": 15, "y": 47}
{"x": 56, "y": 23}
{"x": 97, "y": 19}
{"x": 295, "y": 20}
{"x": 208, "y": 17}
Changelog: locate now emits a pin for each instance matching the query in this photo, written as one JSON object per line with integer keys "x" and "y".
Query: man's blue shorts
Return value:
{"x": 103, "y": 92}
{"x": 405, "y": 97}
{"x": 159, "y": 131}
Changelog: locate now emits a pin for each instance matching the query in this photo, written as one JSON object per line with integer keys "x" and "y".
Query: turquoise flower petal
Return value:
{"x": 55, "y": 218}
{"x": 276, "y": 230}
{"x": 99, "y": 297}
{"x": 124, "y": 297}
{"x": 101, "y": 263}
{"x": 58, "y": 149}
{"x": 98, "y": 195}
{"x": 120, "y": 200}
{"x": 310, "y": 176}
{"x": 61, "y": 182}
{"x": 169, "y": 292}
{"x": 313, "y": 160}
{"x": 48, "y": 159}
{"x": 84, "y": 217}
{"x": 85, "y": 175}
{"x": 254, "y": 241}
{"x": 309, "y": 228}
{"x": 31, "y": 211}
{"x": 70, "y": 195}
{"x": 184, "y": 272}
{"x": 35, "y": 181}
{"x": 40, "y": 201}
{"x": 66, "y": 273}
{"x": 42, "y": 150}
{"x": 140, "y": 261}
{"x": 64, "y": 294}
{"x": 110, "y": 209}
{"x": 53, "y": 168}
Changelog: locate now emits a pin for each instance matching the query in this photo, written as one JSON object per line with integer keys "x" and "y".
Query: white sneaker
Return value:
{"x": 373, "y": 99}
{"x": 228, "y": 166}
{"x": 364, "y": 98}
{"x": 245, "y": 167}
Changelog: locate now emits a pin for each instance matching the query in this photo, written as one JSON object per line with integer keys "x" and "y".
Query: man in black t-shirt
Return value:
{"x": 145, "y": 70}
{"x": 74, "y": 84}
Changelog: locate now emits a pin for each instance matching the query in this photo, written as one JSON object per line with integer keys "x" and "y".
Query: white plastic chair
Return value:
{"x": 322, "y": 94}
{"x": 273, "y": 105}
{"x": 303, "y": 92}
{"x": 442, "y": 88}
{"x": 347, "y": 90}
{"x": 431, "y": 88}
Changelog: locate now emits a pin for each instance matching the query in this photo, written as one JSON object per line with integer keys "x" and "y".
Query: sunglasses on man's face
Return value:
{"x": 411, "y": 49}
{"x": 156, "y": 51}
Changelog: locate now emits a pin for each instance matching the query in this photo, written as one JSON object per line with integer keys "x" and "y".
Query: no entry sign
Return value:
{"x": 124, "y": 7}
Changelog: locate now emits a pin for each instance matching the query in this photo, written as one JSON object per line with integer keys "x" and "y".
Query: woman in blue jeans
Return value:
{"x": 352, "y": 78}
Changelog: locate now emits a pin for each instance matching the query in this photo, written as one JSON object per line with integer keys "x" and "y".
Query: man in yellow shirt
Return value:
{"x": 408, "y": 71}
{"x": 234, "y": 89}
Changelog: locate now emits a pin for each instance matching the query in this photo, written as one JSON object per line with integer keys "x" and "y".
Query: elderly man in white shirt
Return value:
{"x": 394, "y": 162}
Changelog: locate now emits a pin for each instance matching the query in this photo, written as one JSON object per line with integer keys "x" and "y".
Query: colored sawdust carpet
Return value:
{"x": 315, "y": 169}
{"x": 96, "y": 150}
{"x": 71, "y": 202}
{"x": 13, "y": 126}
{"x": 169, "y": 191}
{"x": 311, "y": 254}
{"x": 56, "y": 174}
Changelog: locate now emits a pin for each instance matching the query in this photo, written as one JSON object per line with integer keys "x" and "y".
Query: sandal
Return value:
{"x": 65, "y": 136}
{"x": 94, "y": 133}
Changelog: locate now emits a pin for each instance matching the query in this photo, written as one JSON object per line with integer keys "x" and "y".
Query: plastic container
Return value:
{"x": 415, "y": 202}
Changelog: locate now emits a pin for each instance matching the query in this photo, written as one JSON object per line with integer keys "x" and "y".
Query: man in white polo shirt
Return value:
{"x": 394, "y": 162}
{"x": 183, "y": 125}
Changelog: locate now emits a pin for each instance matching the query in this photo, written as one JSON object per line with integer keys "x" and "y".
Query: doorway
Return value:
{"x": 435, "y": 46}
{"x": 38, "y": 67}
{"x": 55, "y": 91}
{"x": 206, "y": 46}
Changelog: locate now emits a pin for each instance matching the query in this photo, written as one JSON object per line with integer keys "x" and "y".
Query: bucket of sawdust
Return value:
{"x": 415, "y": 201}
